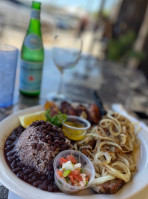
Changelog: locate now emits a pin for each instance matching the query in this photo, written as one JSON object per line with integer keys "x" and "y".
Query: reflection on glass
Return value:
{"x": 66, "y": 54}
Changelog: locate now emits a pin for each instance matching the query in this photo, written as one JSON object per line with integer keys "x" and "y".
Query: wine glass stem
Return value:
{"x": 61, "y": 82}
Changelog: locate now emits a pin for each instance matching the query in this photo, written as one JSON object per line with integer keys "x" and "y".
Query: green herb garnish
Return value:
{"x": 67, "y": 179}
{"x": 57, "y": 119}
{"x": 66, "y": 173}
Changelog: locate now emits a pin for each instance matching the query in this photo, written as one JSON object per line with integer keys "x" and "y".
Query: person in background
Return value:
{"x": 82, "y": 25}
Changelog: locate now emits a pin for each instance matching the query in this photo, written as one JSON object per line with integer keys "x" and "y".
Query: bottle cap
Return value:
{"x": 36, "y": 5}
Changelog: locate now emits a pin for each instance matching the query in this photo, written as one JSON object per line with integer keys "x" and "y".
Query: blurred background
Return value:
{"x": 115, "y": 35}
{"x": 114, "y": 30}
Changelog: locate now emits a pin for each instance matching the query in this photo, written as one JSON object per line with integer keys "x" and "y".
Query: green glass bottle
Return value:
{"x": 32, "y": 55}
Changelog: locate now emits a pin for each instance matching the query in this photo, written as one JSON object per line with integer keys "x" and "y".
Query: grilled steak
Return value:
{"x": 109, "y": 187}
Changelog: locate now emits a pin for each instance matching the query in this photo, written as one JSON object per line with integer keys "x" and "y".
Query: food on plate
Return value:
{"x": 73, "y": 171}
{"x": 67, "y": 108}
{"x": 49, "y": 104}
{"x": 75, "y": 127}
{"x": 56, "y": 119}
{"x": 81, "y": 111}
{"x": 30, "y": 153}
{"x": 54, "y": 109}
{"x": 38, "y": 144}
{"x": 94, "y": 114}
{"x": 109, "y": 187}
{"x": 109, "y": 143}
{"x": 111, "y": 147}
{"x": 27, "y": 119}
{"x": 91, "y": 112}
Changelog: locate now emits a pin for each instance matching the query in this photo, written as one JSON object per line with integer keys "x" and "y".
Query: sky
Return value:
{"x": 90, "y": 5}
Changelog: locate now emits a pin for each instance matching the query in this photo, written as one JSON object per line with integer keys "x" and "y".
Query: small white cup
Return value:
{"x": 87, "y": 166}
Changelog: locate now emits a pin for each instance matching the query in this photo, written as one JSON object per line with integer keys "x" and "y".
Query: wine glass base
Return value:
{"x": 56, "y": 97}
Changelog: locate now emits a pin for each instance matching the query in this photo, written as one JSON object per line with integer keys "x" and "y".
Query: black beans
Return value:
{"x": 13, "y": 164}
{"x": 49, "y": 142}
{"x": 16, "y": 170}
{"x": 10, "y": 158}
{"x": 25, "y": 178}
{"x": 11, "y": 146}
{"x": 34, "y": 177}
{"x": 20, "y": 174}
{"x": 43, "y": 126}
{"x": 20, "y": 164}
{"x": 50, "y": 188}
{"x": 50, "y": 168}
{"x": 43, "y": 140}
{"x": 32, "y": 174}
{"x": 28, "y": 171}
{"x": 49, "y": 128}
{"x": 43, "y": 177}
{"x": 51, "y": 175}
{"x": 46, "y": 131}
{"x": 12, "y": 138}
{"x": 43, "y": 187}
{"x": 50, "y": 162}
{"x": 45, "y": 182}
{"x": 63, "y": 147}
{"x": 30, "y": 180}
{"x": 55, "y": 188}
{"x": 36, "y": 183}
{"x": 10, "y": 153}
{"x": 57, "y": 145}
{"x": 56, "y": 141}
{"x": 52, "y": 134}
{"x": 49, "y": 134}
{"x": 9, "y": 142}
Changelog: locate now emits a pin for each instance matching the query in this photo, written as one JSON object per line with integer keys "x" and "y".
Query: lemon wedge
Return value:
{"x": 27, "y": 119}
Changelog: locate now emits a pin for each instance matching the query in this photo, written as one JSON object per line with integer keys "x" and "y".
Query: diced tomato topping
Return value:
{"x": 72, "y": 159}
{"x": 72, "y": 179}
{"x": 63, "y": 160}
{"x": 75, "y": 176}
{"x": 75, "y": 172}
{"x": 78, "y": 178}
{"x": 86, "y": 178}
{"x": 60, "y": 173}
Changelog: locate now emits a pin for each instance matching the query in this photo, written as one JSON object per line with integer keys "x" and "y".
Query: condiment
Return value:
{"x": 74, "y": 124}
{"x": 71, "y": 172}
{"x": 76, "y": 133}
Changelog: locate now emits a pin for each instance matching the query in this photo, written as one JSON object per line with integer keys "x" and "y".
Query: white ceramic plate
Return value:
{"x": 135, "y": 189}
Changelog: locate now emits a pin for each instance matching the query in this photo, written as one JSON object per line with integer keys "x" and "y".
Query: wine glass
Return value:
{"x": 66, "y": 54}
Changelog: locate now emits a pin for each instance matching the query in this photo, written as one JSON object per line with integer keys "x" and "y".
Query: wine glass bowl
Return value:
{"x": 66, "y": 54}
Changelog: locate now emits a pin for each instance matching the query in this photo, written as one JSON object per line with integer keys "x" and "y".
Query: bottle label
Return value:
{"x": 33, "y": 42}
{"x": 30, "y": 76}
{"x": 35, "y": 14}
